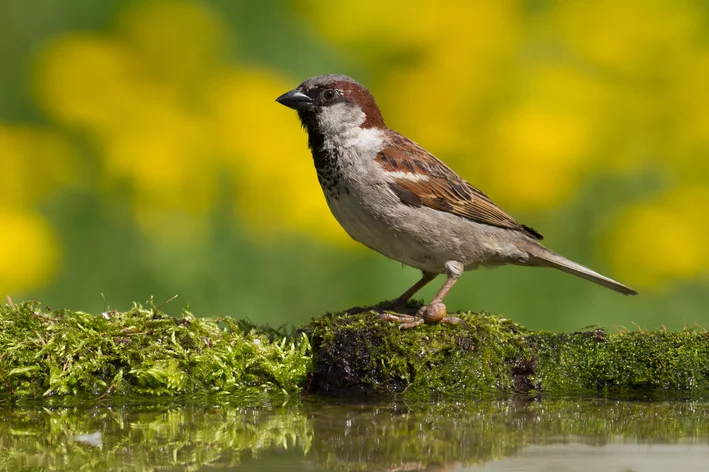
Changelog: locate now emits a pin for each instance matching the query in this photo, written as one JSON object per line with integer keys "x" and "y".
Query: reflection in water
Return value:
{"x": 93, "y": 439}
{"x": 330, "y": 434}
{"x": 618, "y": 456}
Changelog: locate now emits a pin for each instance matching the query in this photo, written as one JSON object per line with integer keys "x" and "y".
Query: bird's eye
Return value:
{"x": 329, "y": 95}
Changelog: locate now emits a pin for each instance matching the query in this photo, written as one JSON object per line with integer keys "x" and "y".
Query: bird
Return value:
{"x": 398, "y": 199}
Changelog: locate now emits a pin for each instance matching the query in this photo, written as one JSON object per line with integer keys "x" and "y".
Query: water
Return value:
{"x": 219, "y": 434}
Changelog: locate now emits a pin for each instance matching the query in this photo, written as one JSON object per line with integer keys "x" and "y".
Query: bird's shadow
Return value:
{"x": 410, "y": 308}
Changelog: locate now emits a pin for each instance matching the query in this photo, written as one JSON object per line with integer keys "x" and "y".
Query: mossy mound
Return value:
{"x": 142, "y": 352}
{"x": 493, "y": 356}
{"x": 364, "y": 355}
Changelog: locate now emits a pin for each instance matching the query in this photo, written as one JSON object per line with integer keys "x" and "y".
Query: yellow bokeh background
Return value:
{"x": 167, "y": 106}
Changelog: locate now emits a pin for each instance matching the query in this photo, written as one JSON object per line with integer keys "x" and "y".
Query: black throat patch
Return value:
{"x": 327, "y": 161}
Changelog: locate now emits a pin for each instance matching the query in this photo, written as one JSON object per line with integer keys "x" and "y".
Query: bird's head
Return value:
{"x": 333, "y": 104}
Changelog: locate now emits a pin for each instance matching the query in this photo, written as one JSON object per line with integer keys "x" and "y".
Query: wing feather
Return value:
{"x": 440, "y": 188}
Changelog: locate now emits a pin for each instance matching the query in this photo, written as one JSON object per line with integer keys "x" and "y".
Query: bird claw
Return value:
{"x": 412, "y": 324}
{"x": 398, "y": 318}
{"x": 453, "y": 320}
{"x": 430, "y": 314}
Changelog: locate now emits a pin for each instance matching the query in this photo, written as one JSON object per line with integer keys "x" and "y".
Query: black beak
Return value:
{"x": 296, "y": 100}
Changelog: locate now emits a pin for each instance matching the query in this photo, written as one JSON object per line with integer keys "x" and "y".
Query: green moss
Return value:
{"x": 144, "y": 352}
{"x": 623, "y": 363}
{"x": 359, "y": 353}
{"x": 493, "y": 356}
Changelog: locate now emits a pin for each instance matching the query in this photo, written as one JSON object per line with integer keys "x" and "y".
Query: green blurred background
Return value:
{"x": 142, "y": 153}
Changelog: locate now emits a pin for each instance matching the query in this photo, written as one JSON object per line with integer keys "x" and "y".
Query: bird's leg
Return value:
{"x": 399, "y": 303}
{"x": 434, "y": 312}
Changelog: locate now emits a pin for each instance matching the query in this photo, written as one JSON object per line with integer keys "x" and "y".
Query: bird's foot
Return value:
{"x": 406, "y": 321}
{"x": 428, "y": 314}
{"x": 433, "y": 313}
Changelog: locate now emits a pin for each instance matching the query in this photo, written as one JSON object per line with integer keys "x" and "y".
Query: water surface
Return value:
{"x": 317, "y": 434}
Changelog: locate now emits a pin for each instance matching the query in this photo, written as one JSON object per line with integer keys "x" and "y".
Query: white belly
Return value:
{"x": 360, "y": 199}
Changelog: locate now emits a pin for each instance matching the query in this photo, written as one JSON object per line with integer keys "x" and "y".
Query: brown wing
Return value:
{"x": 439, "y": 187}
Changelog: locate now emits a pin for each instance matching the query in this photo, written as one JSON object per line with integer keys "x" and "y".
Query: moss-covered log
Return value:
{"x": 143, "y": 351}
{"x": 493, "y": 356}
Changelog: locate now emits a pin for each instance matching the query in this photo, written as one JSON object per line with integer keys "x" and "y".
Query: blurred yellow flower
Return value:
{"x": 147, "y": 134}
{"x": 541, "y": 148}
{"x": 29, "y": 252}
{"x": 97, "y": 92}
{"x": 352, "y": 23}
{"x": 539, "y": 158}
{"x": 437, "y": 100}
{"x": 35, "y": 162}
{"x": 688, "y": 106}
{"x": 183, "y": 42}
{"x": 630, "y": 37}
{"x": 447, "y": 54}
{"x": 276, "y": 186}
{"x": 168, "y": 114}
{"x": 659, "y": 242}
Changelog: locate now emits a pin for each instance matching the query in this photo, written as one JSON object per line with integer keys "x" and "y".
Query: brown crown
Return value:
{"x": 356, "y": 93}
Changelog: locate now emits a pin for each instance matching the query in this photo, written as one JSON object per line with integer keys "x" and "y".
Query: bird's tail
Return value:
{"x": 542, "y": 257}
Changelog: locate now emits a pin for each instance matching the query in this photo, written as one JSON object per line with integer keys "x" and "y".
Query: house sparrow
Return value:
{"x": 393, "y": 196}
